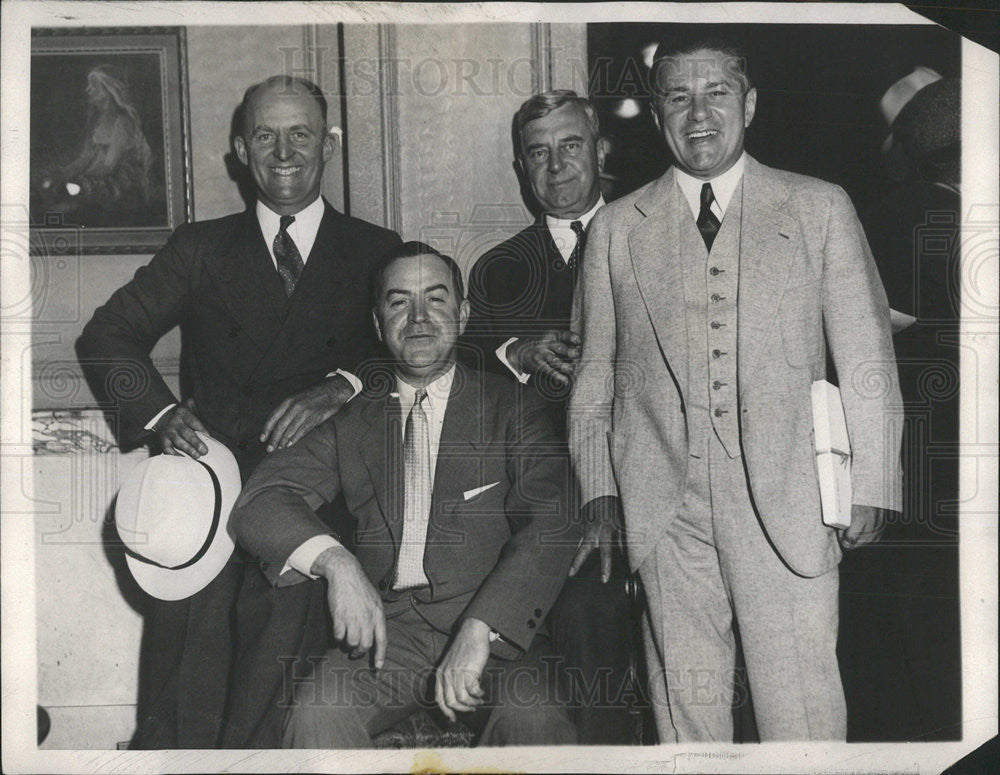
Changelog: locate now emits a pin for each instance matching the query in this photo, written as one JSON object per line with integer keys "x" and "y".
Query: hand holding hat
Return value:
{"x": 172, "y": 515}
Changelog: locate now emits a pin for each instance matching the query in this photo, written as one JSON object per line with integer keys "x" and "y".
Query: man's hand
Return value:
{"x": 178, "y": 430}
{"x": 456, "y": 684}
{"x": 554, "y": 354}
{"x": 355, "y": 605}
{"x": 300, "y": 413}
{"x": 603, "y": 520}
{"x": 867, "y": 524}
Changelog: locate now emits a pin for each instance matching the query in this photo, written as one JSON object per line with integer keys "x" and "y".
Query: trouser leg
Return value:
{"x": 690, "y": 623}
{"x": 591, "y": 626}
{"x": 346, "y": 704}
{"x": 526, "y": 704}
{"x": 788, "y": 623}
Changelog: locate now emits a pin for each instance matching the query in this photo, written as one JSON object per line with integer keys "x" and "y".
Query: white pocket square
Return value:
{"x": 470, "y": 494}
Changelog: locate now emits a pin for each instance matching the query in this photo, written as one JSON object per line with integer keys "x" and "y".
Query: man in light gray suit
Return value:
{"x": 705, "y": 298}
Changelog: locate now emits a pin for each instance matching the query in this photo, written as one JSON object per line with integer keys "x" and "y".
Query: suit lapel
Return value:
{"x": 325, "y": 266}
{"x": 769, "y": 240}
{"x": 654, "y": 247}
{"x": 459, "y": 458}
{"x": 247, "y": 282}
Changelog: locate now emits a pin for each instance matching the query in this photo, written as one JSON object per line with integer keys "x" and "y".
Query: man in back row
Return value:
{"x": 522, "y": 295}
{"x": 704, "y": 303}
{"x": 273, "y": 315}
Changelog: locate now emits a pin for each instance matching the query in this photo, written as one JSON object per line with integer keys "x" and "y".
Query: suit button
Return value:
{"x": 234, "y": 332}
{"x": 248, "y": 390}
{"x": 714, "y": 271}
{"x": 716, "y": 353}
{"x": 331, "y": 342}
{"x": 531, "y": 624}
{"x": 538, "y": 612}
{"x": 242, "y": 444}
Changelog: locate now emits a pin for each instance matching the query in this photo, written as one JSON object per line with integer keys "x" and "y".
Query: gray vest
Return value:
{"x": 711, "y": 285}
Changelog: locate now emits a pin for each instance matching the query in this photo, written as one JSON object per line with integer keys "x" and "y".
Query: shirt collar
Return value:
{"x": 564, "y": 223}
{"x": 437, "y": 392}
{"x": 562, "y": 233}
{"x": 723, "y": 186}
{"x": 303, "y": 230}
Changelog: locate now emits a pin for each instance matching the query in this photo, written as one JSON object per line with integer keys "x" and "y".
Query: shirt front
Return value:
{"x": 302, "y": 230}
{"x": 563, "y": 234}
{"x": 723, "y": 187}
{"x": 435, "y": 405}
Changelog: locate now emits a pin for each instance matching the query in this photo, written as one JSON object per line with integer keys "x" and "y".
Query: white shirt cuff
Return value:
{"x": 502, "y": 355}
{"x": 152, "y": 423}
{"x": 302, "y": 559}
{"x": 355, "y": 382}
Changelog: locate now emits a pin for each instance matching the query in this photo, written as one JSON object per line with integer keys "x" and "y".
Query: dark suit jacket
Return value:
{"x": 245, "y": 345}
{"x": 500, "y": 555}
{"x": 521, "y": 287}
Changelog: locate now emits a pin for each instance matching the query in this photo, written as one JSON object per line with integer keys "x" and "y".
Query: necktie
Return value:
{"x": 416, "y": 497}
{"x": 287, "y": 255}
{"x": 708, "y": 224}
{"x": 581, "y": 241}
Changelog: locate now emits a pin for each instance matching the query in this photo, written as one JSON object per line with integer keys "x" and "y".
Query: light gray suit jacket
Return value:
{"x": 805, "y": 269}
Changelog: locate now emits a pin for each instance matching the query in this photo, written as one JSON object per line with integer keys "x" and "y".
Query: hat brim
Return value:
{"x": 179, "y": 584}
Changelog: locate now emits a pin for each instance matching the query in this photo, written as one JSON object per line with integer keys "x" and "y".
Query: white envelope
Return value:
{"x": 470, "y": 494}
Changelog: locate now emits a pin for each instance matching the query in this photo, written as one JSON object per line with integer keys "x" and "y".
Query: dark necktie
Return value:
{"x": 416, "y": 497}
{"x": 287, "y": 255}
{"x": 708, "y": 224}
{"x": 581, "y": 242}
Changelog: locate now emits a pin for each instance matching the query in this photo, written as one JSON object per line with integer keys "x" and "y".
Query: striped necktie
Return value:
{"x": 287, "y": 256}
{"x": 416, "y": 497}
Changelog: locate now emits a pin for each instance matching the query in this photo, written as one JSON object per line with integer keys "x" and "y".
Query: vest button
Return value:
{"x": 717, "y": 385}
{"x": 714, "y": 271}
{"x": 716, "y": 324}
{"x": 719, "y": 412}
{"x": 717, "y": 297}
{"x": 716, "y": 353}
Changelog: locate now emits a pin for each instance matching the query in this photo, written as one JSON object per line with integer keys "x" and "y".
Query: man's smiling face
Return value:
{"x": 703, "y": 108}
{"x": 419, "y": 315}
{"x": 285, "y": 144}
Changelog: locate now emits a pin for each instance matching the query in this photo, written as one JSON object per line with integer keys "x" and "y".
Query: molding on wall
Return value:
{"x": 541, "y": 49}
{"x": 389, "y": 108}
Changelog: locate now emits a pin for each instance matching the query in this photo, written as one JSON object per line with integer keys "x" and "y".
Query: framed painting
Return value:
{"x": 110, "y": 160}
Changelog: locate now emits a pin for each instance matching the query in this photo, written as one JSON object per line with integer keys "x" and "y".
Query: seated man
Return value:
{"x": 465, "y": 530}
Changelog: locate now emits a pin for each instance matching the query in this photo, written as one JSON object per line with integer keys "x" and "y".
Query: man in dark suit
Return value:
{"x": 271, "y": 304}
{"x": 461, "y": 492}
{"x": 522, "y": 296}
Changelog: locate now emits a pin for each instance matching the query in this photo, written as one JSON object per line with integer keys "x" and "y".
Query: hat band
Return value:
{"x": 208, "y": 539}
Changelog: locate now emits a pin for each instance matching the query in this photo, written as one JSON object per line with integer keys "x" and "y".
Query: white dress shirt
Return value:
{"x": 435, "y": 405}
{"x": 303, "y": 232}
{"x": 565, "y": 239}
{"x": 723, "y": 187}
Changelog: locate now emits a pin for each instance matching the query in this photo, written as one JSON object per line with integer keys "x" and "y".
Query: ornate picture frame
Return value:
{"x": 110, "y": 159}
